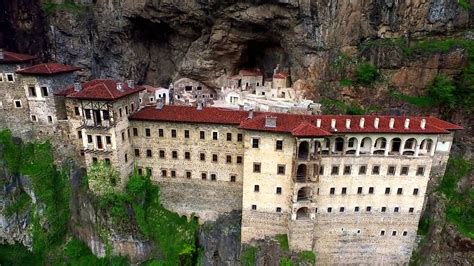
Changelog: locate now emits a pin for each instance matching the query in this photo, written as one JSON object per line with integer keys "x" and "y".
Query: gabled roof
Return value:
{"x": 250, "y": 72}
{"x": 100, "y": 90}
{"x": 47, "y": 69}
{"x": 280, "y": 75}
{"x": 295, "y": 124}
{"x": 11, "y": 57}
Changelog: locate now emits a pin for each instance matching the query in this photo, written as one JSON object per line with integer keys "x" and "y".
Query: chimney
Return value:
{"x": 250, "y": 116}
{"x": 2, "y": 55}
{"x": 348, "y": 123}
{"x": 391, "y": 123}
{"x": 318, "y": 122}
{"x": 270, "y": 121}
{"x": 119, "y": 86}
{"x": 423, "y": 123}
{"x": 407, "y": 123}
{"x": 362, "y": 122}
{"x": 159, "y": 104}
{"x": 241, "y": 107}
{"x": 333, "y": 123}
{"x": 77, "y": 86}
{"x": 131, "y": 83}
{"x": 199, "y": 105}
{"x": 376, "y": 122}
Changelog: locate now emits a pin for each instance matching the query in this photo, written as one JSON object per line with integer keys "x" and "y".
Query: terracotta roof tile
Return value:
{"x": 100, "y": 89}
{"x": 280, "y": 75}
{"x": 298, "y": 125}
{"x": 11, "y": 57}
{"x": 47, "y": 69}
{"x": 250, "y": 72}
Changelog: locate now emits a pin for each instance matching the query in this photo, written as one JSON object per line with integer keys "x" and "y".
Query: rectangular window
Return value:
{"x": 89, "y": 138}
{"x": 187, "y": 155}
{"x": 76, "y": 111}
{"x": 161, "y": 133}
{"x": 396, "y": 209}
{"x": 173, "y": 173}
{"x": 368, "y": 209}
{"x": 347, "y": 169}
{"x": 137, "y": 153}
{"x": 256, "y": 188}
{"x": 215, "y": 135}
{"x": 405, "y": 233}
{"x": 329, "y": 209}
{"x": 411, "y": 210}
{"x": 400, "y": 191}
{"x": 202, "y": 135}
{"x": 229, "y": 136}
{"x": 394, "y": 233}
{"x": 108, "y": 140}
{"x": 363, "y": 170}
{"x": 356, "y": 209}
{"x": 79, "y": 134}
{"x": 188, "y": 174}
{"x": 341, "y": 209}
{"x": 281, "y": 169}
{"x": 255, "y": 143}
{"x": 50, "y": 119}
{"x": 332, "y": 191}
{"x": 140, "y": 171}
{"x": 202, "y": 156}
{"x": 232, "y": 178}
{"x": 371, "y": 190}
{"x": 240, "y": 137}
{"x": 10, "y": 77}
{"x": 239, "y": 159}
{"x": 382, "y": 232}
{"x": 148, "y": 153}
{"x": 149, "y": 171}
{"x": 94, "y": 159}
{"x": 123, "y": 136}
{"x": 335, "y": 170}
{"x": 420, "y": 171}
{"x": 44, "y": 91}
{"x": 213, "y": 177}
{"x": 214, "y": 158}
{"x": 162, "y": 154}
{"x": 359, "y": 190}
{"x": 415, "y": 191}
{"x": 147, "y": 132}
{"x": 163, "y": 173}
{"x": 174, "y": 154}
{"x": 256, "y": 167}
{"x": 321, "y": 170}
{"x": 120, "y": 112}
{"x": 228, "y": 159}
{"x": 278, "y": 190}
{"x": 391, "y": 170}
{"x": 404, "y": 170}
{"x": 186, "y": 134}
{"x": 173, "y": 133}
{"x": 376, "y": 170}
{"x": 32, "y": 91}
{"x": 126, "y": 110}
{"x": 344, "y": 191}
{"x": 254, "y": 207}
{"x": 88, "y": 113}
{"x": 384, "y": 209}
{"x": 387, "y": 191}
{"x": 203, "y": 176}
{"x": 279, "y": 145}
{"x": 135, "y": 132}
{"x": 278, "y": 209}
{"x": 17, "y": 104}
{"x": 126, "y": 157}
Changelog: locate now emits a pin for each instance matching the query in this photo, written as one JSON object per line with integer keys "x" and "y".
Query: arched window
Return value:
{"x": 426, "y": 147}
{"x": 326, "y": 146}
{"x": 409, "y": 146}
{"x": 303, "y": 150}
{"x": 395, "y": 145}
{"x": 304, "y": 193}
{"x": 351, "y": 146}
{"x": 339, "y": 144}
{"x": 301, "y": 173}
{"x": 302, "y": 214}
{"x": 365, "y": 145}
{"x": 380, "y": 145}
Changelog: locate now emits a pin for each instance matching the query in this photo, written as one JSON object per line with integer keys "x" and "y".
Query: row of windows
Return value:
{"x": 391, "y": 170}
{"x": 34, "y": 118}
{"x": 367, "y": 209}
{"x": 371, "y": 190}
{"x": 32, "y": 91}
{"x": 256, "y": 144}
{"x": 187, "y": 156}
{"x": 9, "y": 77}
{"x": 187, "y": 174}
{"x": 278, "y": 190}
{"x": 187, "y": 134}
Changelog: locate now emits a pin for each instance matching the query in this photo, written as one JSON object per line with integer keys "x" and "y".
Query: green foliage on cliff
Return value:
{"x": 332, "y": 106}
{"x": 354, "y": 72}
{"x": 249, "y": 256}
{"x": 69, "y": 5}
{"x": 75, "y": 252}
{"x": 465, "y": 4}
{"x": 365, "y": 74}
{"x": 102, "y": 179}
{"x": 283, "y": 242}
{"x": 19, "y": 205}
{"x": 459, "y": 209}
{"x": 307, "y": 257}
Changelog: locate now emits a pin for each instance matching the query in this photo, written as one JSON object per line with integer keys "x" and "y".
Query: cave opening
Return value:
{"x": 265, "y": 55}
{"x": 146, "y": 30}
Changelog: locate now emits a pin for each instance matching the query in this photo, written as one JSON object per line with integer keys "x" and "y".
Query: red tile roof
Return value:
{"x": 47, "y": 69}
{"x": 250, "y": 72}
{"x": 297, "y": 125}
{"x": 11, "y": 57}
{"x": 101, "y": 90}
{"x": 280, "y": 75}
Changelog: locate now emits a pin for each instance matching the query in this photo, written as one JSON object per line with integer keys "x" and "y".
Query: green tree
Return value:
{"x": 441, "y": 91}
{"x": 365, "y": 74}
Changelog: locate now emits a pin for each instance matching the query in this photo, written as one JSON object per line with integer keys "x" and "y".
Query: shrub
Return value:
{"x": 249, "y": 256}
{"x": 307, "y": 256}
{"x": 465, "y": 4}
{"x": 102, "y": 178}
{"x": 441, "y": 91}
{"x": 365, "y": 74}
{"x": 283, "y": 241}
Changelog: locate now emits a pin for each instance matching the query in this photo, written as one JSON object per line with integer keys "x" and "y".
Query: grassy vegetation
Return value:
{"x": 354, "y": 72}
{"x": 50, "y": 7}
{"x": 307, "y": 256}
{"x": 459, "y": 209}
{"x": 283, "y": 241}
{"x": 332, "y": 106}
{"x": 284, "y": 261}
{"x": 365, "y": 74}
{"x": 19, "y": 205}
{"x": 249, "y": 256}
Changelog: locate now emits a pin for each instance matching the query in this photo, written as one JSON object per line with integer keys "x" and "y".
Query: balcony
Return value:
{"x": 90, "y": 148}
{"x": 91, "y": 124}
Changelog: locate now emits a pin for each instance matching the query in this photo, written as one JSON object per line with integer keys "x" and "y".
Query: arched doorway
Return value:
{"x": 304, "y": 193}
{"x": 339, "y": 145}
{"x": 365, "y": 145}
{"x": 302, "y": 213}
{"x": 301, "y": 173}
{"x": 426, "y": 147}
{"x": 409, "y": 146}
{"x": 395, "y": 146}
{"x": 303, "y": 150}
{"x": 380, "y": 145}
